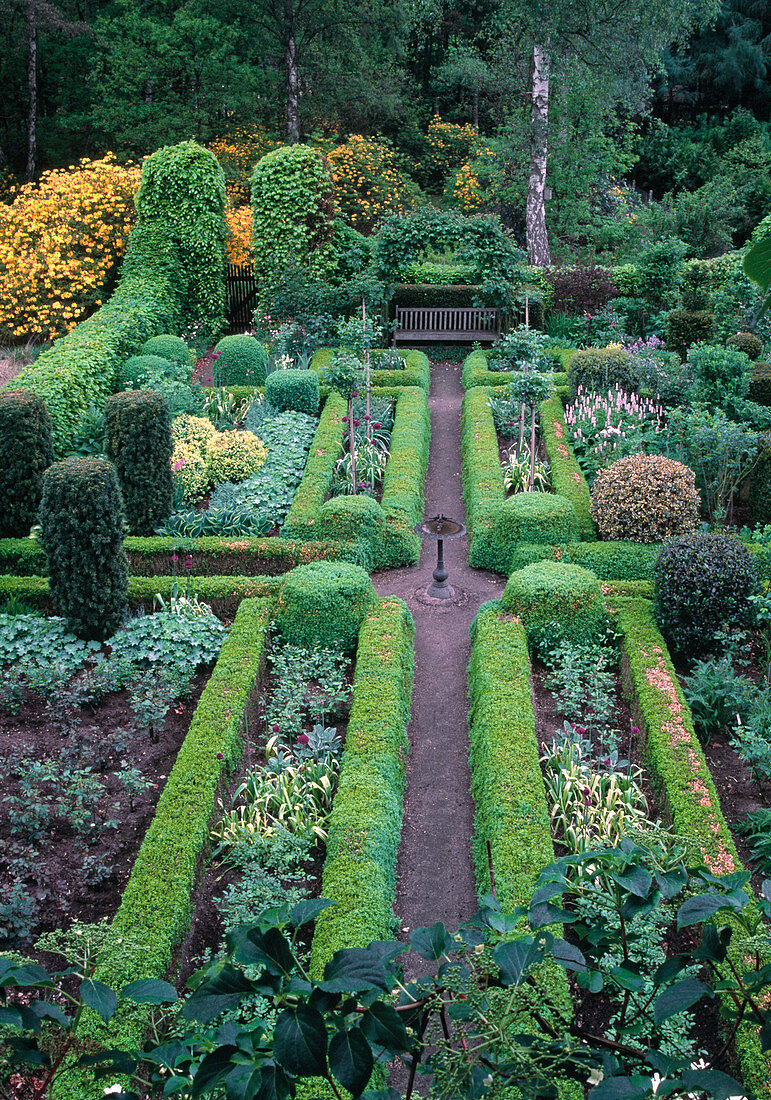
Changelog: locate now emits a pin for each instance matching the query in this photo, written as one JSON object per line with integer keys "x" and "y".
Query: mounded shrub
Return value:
{"x": 324, "y": 602}
{"x": 138, "y": 368}
{"x": 192, "y": 429}
{"x": 748, "y": 342}
{"x": 601, "y": 369}
{"x": 645, "y": 498}
{"x": 686, "y": 327}
{"x": 190, "y": 471}
{"x": 348, "y": 518}
{"x": 169, "y": 347}
{"x": 241, "y": 361}
{"x": 26, "y": 450}
{"x": 721, "y": 374}
{"x": 700, "y": 583}
{"x": 760, "y": 384}
{"x": 82, "y": 522}
{"x": 537, "y": 517}
{"x": 554, "y": 592}
{"x": 293, "y": 391}
{"x": 138, "y": 443}
{"x": 233, "y": 456}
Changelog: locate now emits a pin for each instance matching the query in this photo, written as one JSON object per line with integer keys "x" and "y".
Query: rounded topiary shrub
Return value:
{"x": 137, "y": 433}
{"x": 556, "y": 599}
{"x": 748, "y": 342}
{"x": 192, "y": 429}
{"x": 241, "y": 361}
{"x": 293, "y": 391}
{"x": 135, "y": 371}
{"x": 600, "y": 369}
{"x": 686, "y": 327}
{"x": 169, "y": 347}
{"x": 324, "y": 603}
{"x": 26, "y": 450}
{"x": 354, "y": 518}
{"x": 537, "y": 517}
{"x": 233, "y": 456}
{"x": 82, "y": 522}
{"x": 760, "y": 384}
{"x": 190, "y": 471}
{"x": 645, "y": 498}
{"x": 702, "y": 582}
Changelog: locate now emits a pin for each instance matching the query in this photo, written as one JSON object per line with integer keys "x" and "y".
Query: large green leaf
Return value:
{"x": 757, "y": 263}
{"x": 300, "y": 1041}
{"x": 350, "y": 1059}
{"x": 99, "y": 997}
{"x": 679, "y": 997}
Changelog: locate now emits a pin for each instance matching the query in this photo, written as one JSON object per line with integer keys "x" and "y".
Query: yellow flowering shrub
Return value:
{"x": 190, "y": 471}
{"x": 60, "y": 241}
{"x": 449, "y": 145}
{"x": 465, "y": 191}
{"x": 368, "y": 182}
{"x": 239, "y": 242}
{"x": 238, "y": 152}
{"x": 234, "y": 456}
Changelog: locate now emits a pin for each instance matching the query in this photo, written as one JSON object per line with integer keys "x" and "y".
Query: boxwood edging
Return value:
{"x": 679, "y": 770}
{"x": 567, "y": 477}
{"x": 416, "y": 373}
{"x": 155, "y": 910}
{"x": 512, "y": 814}
{"x": 476, "y": 372}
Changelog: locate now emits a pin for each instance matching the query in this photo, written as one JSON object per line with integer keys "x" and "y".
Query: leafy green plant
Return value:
{"x": 138, "y": 443}
{"x": 32, "y": 639}
{"x": 756, "y": 827}
{"x": 717, "y": 696}
{"x": 171, "y": 640}
{"x": 516, "y": 475}
{"x": 752, "y": 741}
{"x": 721, "y": 375}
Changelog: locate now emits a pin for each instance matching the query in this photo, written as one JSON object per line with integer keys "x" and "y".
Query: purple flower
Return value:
{"x": 635, "y": 729}
{"x": 175, "y": 558}
{"x": 276, "y": 728}
{"x": 367, "y": 416}
{"x": 303, "y": 739}
{"x": 220, "y": 756}
{"x": 376, "y": 424}
{"x": 189, "y": 562}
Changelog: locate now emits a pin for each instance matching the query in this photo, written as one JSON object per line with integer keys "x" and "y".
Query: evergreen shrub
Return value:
{"x": 601, "y": 369}
{"x": 686, "y": 327}
{"x": 241, "y": 361}
{"x": 293, "y": 391}
{"x": 233, "y": 456}
{"x": 82, "y": 520}
{"x": 748, "y": 342}
{"x": 645, "y": 498}
{"x": 138, "y": 368}
{"x": 702, "y": 582}
{"x": 138, "y": 443}
{"x": 760, "y": 384}
{"x": 556, "y": 600}
{"x": 26, "y": 450}
{"x": 169, "y": 347}
{"x": 537, "y": 517}
{"x": 760, "y": 488}
{"x": 354, "y": 518}
{"x": 322, "y": 603}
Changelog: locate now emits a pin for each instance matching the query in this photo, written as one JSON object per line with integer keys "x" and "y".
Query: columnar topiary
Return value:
{"x": 324, "y": 603}
{"x": 293, "y": 391}
{"x": 552, "y": 597}
{"x": 26, "y": 450}
{"x": 292, "y": 208}
{"x": 138, "y": 442}
{"x": 701, "y": 583}
{"x": 645, "y": 498}
{"x": 240, "y": 361}
{"x": 82, "y": 526}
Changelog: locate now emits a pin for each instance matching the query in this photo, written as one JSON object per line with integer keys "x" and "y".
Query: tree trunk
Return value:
{"x": 292, "y": 80}
{"x": 476, "y": 108}
{"x": 32, "y": 92}
{"x": 538, "y": 252}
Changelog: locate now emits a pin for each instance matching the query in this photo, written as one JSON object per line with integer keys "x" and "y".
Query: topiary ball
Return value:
{"x": 748, "y": 342}
{"x": 702, "y": 582}
{"x": 645, "y": 498}
{"x": 240, "y": 361}
{"x": 233, "y": 456}
{"x": 324, "y": 603}
{"x": 536, "y": 517}
{"x": 557, "y": 600}
{"x": 293, "y": 391}
{"x": 26, "y": 451}
{"x": 169, "y": 347}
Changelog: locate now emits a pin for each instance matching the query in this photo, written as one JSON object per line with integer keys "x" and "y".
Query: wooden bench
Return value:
{"x": 447, "y": 326}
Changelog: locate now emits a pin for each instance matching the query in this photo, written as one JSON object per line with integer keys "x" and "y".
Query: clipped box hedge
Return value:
{"x": 476, "y": 372}
{"x": 679, "y": 771}
{"x": 416, "y": 373}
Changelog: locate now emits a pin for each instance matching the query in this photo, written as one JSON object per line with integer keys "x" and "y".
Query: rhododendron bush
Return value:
{"x": 60, "y": 244}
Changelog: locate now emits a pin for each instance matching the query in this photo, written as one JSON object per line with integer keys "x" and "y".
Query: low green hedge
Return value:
{"x": 476, "y": 373}
{"x": 679, "y": 770}
{"x": 567, "y": 477}
{"x": 611, "y": 561}
{"x": 493, "y": 538}
{"x": 416, "y": 373}
{"x": 402, "y": 497}
{"x": 364, "y": 828}
{"x": 512, "y": 814}
{"x": 155, "y": 910}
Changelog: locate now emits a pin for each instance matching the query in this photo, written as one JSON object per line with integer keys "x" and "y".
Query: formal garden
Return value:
{"x": 280, "y": 819}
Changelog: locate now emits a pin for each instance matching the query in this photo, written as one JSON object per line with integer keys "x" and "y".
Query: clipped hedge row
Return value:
{"x": 611, "y": 561}
{"x": 416, "y": 373}
{"x": 401, "y": 504}
{"x": 483, "y": 488}
{"x": 512, "y": 814}
{"x": 360, "y": 865}
{"x": 476, "y": 373}
{"x": 677, "y": 767}
{"x": 155, "y": 911}
{"x": 567, "y": 477}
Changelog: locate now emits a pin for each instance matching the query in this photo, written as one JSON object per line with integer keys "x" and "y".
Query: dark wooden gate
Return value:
{"x": 242, "y": 296}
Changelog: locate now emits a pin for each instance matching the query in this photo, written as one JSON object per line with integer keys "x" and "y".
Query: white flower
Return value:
{"x": 595, "y": 1077}
{"x": 113, "y": 1088}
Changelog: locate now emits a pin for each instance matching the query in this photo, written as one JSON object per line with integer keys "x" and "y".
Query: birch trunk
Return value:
{"x": 538, "y": 252}
{"x": 292, "y": 78}
{"x": 32, "y": 92}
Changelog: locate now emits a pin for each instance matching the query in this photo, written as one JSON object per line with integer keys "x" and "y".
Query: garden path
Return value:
{"x": 435, "y": 876}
